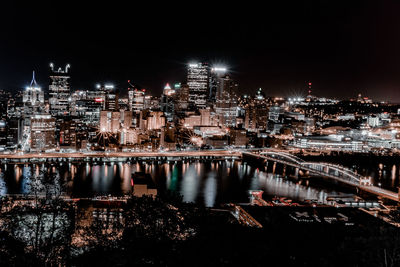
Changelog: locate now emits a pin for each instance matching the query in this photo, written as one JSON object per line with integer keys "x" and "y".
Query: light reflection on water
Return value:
{"x": 208, "y": 182}
{"x": 276, "y": 186}
{"x": 210, "y": 190}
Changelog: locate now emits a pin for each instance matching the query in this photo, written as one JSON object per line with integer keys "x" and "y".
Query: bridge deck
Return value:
{"x": 79, "y": 155}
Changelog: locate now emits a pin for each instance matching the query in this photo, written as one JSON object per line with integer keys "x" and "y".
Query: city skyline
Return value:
{"x": 304, "y": 88}
{"x": 200, "y": 133}
{"x": 343, "y": 48}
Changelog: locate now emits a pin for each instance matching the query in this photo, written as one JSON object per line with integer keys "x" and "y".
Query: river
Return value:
{"x": 206, "y": 182}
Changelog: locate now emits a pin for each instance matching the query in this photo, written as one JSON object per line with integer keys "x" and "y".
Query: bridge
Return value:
{"x": 326, "y": 170}
{"x": 244, "y": 217}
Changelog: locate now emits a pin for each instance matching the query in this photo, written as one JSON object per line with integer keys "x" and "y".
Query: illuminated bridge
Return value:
{"x": 326, "y": 170}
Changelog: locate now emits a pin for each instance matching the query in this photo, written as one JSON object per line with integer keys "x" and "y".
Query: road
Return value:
{"x": 198, "y": 153}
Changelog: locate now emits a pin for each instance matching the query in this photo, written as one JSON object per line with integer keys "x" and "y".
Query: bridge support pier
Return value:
{"x": 279, "y": 168}
{"x": 296, "y": 173}
{"x": 268, "y": 166}
{"x": 284, "y": 170}
{"x": 274, "y": 168}
{"x": 326, "y": 169}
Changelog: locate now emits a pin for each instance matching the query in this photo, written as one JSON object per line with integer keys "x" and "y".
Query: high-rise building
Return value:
{"x": 136, "y": 103}
{"x": 151, "y": 102}
{"x": 136, "y": 99}
{"x": 198, "y": 80}
{"x": 129, "y": 136}
{"x": 14, "y": 132}
{"x": 107, "y": 95}
{"x": 115, "y": 121}
{"x": 167, "y": 102}
{"x": 216, "y": 83}
{"x": 68, "y": 134}
{"x": 168, "y": 90}
{"x": 155, "y": 120}
{"x": 59, "y": 90}
{"x": 110, "y": 121}
{"x": 126, "y": 119}
{"x": 42, "y": 132}
{"x": 111, "y": 97}
{"x": 4, "y": 100}
{"x": 33, "y": 98}
{"x": 33, "y": 104}
{"x": 224, "y": 98}
{"x": 181, "y": 97}
{"x": 88, "y": 107}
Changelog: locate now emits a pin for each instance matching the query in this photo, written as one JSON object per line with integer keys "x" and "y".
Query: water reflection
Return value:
{"x": 209, "y": 183}
{"x": 190, "y": 183}
{"x": 210, "y": 190}
{"x": 277, "y": 186}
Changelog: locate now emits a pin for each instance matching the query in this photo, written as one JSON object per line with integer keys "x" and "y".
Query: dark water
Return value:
{"x": 207, "y": 182}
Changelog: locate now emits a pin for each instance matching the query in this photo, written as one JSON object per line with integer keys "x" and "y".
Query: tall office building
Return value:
{"x": 115, "y": 121}
{"x": 33, "y": 98}
{"x": 197, "y": 80}
{"x": 68, "y": 129}
{"x": 167, "y": 102}
{"x": 33, "y": 104}
{"x": 168, "y": 90}
{"x": 136, "y": 99}
{"x": 59, "y": 90}
{"x": 109, "y": 96}
{"x": 223, "y": 97}
{"x": 42, "y": 132}
{"x": 216, "y": 83}
{"x": 181, "y": 97}
{"x": 110, "y": 121}
{"x": 155, "y": 120}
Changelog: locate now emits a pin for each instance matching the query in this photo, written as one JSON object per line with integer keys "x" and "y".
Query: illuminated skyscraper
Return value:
{"x": 33, "y": 98}
{"x": 136, "y": 99}
{"x": 223, "y": 97}
{"x": 197, "y": 80}
{"x": 59, "y": 90}
{"x": 155, "y": 120}
{"x": 167, "y": 102}
{"x": 216, "y": 83}
{"x": 42, "y": 132}
{"x": 181, "y": 97}
{"x": 109, "y": 121}
{"x": 168, "y": 90}
{"x": 110, "y": 95}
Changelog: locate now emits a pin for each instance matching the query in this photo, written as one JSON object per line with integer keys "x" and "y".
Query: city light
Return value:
{"x": 201, "y": 135}
{"x": 219, "y": 69}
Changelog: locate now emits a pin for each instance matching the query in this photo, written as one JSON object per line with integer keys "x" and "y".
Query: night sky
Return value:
{"x": 343, "y": 47}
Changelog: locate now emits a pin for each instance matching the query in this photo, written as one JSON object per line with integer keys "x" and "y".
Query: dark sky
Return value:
{"x": 343, "y": 47}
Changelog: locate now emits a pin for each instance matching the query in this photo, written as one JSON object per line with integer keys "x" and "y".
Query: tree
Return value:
{"x": 42, "y": 221}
